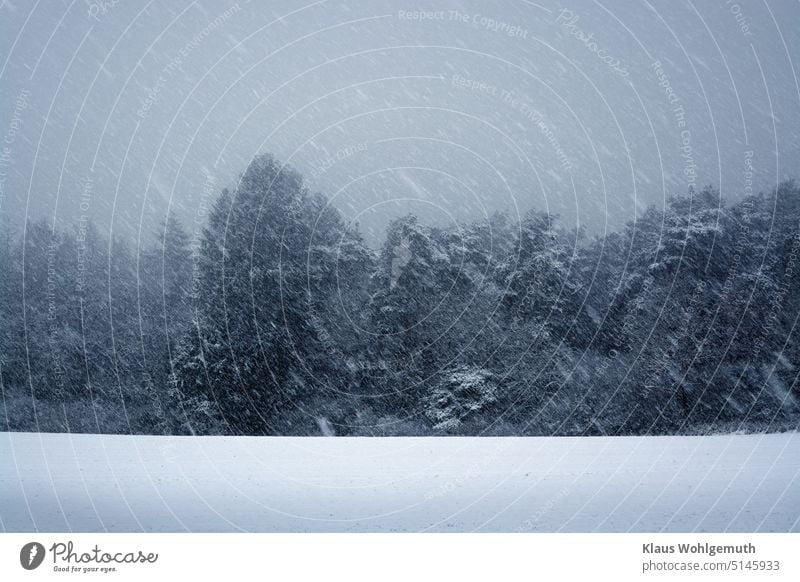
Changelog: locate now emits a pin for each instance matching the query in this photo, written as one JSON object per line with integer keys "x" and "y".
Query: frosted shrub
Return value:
{"x": 461, "y": 392}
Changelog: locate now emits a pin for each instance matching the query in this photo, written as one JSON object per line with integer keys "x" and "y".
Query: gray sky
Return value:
{"x": 123, "y": 111}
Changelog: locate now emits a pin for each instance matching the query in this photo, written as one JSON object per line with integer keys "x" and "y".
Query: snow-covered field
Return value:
{"x": 58, "y": 482}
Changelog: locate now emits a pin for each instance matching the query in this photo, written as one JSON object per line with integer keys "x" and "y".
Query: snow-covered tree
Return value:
{"x": 269, "y": 261}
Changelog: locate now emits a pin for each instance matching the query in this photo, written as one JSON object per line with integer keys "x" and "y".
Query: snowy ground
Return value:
{"x": 58, "y": 482}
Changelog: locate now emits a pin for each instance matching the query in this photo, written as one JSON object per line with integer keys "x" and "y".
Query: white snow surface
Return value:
{"x": 84, "y": 483}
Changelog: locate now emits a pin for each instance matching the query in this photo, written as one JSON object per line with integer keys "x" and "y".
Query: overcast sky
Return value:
{"x": 124, "y": 111}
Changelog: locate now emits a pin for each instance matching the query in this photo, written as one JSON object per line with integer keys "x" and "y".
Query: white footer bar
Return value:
{"x": 402, "y": 557}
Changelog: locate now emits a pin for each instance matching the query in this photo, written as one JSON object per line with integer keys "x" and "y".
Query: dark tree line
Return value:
{"x": 281, "y": 320}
